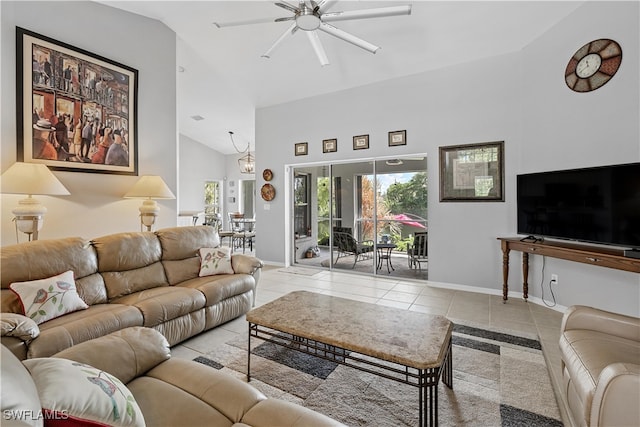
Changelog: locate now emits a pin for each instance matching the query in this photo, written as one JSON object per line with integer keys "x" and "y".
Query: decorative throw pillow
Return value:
{"x": 215, "y": 261}
{"x": 46, "y": 299}
{"x": 72, "y": 393}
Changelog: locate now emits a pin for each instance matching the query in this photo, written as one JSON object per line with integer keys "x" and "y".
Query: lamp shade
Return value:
{"x": 150, "y": 187}
{"x": 32, "y": 179}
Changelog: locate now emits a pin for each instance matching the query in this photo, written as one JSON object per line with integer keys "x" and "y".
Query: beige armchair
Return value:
{"x": 600, "y": 354}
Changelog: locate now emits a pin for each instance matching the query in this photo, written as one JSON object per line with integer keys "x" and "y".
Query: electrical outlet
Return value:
{"x": 554, "y": 278}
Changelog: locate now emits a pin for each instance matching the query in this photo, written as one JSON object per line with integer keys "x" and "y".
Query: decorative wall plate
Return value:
{"x": 268, "y": 192}
{"x": 593, "y": 65}
{"x": 267, "y": 174}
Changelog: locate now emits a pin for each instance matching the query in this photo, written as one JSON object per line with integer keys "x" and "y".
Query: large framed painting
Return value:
{"x": 76, "y": 110}
{"x": 472, "y": 172}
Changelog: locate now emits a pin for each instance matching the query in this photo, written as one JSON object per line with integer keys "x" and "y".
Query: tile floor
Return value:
{"x": 470, "y": 308}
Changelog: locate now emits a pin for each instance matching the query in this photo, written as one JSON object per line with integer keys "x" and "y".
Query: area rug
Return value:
{"x": 498, "y": 380}
{"x": 300, "y": 270}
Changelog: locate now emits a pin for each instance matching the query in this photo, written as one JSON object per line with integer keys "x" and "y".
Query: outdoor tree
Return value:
{"x": 409, "y": 197}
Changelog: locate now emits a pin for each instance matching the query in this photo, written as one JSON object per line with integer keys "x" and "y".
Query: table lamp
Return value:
{"x": 30, "y": 179}
{"x": 149, "y": 187}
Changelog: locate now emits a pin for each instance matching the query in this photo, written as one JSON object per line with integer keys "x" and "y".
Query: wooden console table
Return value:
{"x": 594, "y": 255}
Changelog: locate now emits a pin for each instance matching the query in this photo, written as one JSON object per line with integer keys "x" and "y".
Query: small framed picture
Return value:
{"x": 301, "y": 148}
{"x": 361, "y": 142}
{"x": 398, "y": 137}
{"x": 329, "y": 145}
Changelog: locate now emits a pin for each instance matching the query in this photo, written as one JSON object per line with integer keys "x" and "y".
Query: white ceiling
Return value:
{"x": 225, "y": 78}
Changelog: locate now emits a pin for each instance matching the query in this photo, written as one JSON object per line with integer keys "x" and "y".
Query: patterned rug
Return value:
{"x": 498, "y": 380}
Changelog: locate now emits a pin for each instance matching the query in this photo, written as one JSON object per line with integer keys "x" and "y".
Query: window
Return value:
{"x": 301, "y": 205}
{"x": 212, "y": 203}
{"x": 212, "y": 197}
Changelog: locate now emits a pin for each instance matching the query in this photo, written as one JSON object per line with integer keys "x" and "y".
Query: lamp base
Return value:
{"x": 148, "y": 213}
{"x": 29, "y": 217}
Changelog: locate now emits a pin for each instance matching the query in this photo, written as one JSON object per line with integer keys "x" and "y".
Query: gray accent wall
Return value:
{"x": 520, "y": 98}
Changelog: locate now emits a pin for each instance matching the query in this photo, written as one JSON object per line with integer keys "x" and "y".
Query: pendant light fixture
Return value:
{"x": 247, "y": 163}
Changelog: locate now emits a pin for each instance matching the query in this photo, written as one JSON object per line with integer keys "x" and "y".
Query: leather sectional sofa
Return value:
{"x": 600, "y": 354}
{"x": 163, "y": 391}
{"x": 127, "y": 279}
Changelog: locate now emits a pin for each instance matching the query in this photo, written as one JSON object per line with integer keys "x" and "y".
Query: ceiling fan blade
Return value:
{"x": 288, "y": 7}
{"x": 317, "y": 47}
{"x": 324, "y": 5}
{"x": 288, "y": 18}
{"x": 367, "y": 13}
{"x": 245, "y": 22}
{"x": 292, "y": 29}
{"x": 350, "y": 38}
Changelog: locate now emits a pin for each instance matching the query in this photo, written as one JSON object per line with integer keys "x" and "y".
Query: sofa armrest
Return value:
{"x": 615, "y": 401}
{"x": 593, "y": 319}
{"x": 126, "y": 354}
{"x": 18, "y": 326}
{"x": 246, "y": 264}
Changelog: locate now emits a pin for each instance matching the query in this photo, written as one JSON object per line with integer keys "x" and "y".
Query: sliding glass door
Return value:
{"x": 360, "y": 216}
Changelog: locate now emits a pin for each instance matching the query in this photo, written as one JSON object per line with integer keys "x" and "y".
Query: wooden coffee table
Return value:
{"x": 405, "y": 346}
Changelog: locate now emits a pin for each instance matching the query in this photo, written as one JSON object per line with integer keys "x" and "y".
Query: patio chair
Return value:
{"x": 346, "y": 245}
{"x": 417, "y": 252}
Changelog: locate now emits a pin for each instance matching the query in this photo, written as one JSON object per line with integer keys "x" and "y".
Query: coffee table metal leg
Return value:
{"x": 447, "y": 373}
{"x": 428, "y": 399}
{"x": 249, "y": 355}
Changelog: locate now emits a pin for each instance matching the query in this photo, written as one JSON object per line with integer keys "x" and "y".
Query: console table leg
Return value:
{"x": 505, "y": 271}
{"x": 525, "y": 275}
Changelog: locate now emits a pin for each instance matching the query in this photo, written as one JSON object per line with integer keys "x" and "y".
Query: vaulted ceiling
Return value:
{"x": 222, "y": 77}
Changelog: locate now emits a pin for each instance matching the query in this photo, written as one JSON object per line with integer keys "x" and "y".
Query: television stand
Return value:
{"x": 587, "y": 254}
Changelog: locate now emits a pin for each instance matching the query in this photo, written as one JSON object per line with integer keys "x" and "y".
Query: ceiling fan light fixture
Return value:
{"x": 307, "y": 22}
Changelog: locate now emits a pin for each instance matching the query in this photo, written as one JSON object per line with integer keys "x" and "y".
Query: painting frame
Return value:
{"x": 472, "y": 172}
{"x": 62, "y": 88}
{"x": 301, "y": 148}
{"x": 329, "y": 145}
{"x": 397, "y": 137}
{"x": 361, "y": 142}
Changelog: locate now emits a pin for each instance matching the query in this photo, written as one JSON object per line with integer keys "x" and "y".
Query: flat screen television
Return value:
{"x": 595, "y": 205}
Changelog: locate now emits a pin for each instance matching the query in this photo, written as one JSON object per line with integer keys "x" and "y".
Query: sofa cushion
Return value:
{"x": 215, "y": 261}
{"x": 19, "y": 400}
{"x": 220, "y": 287}
{"x": 83, "y": 394}
{"x": 162, "y": 304}
{"x": 45, "y": 299}
{"x": 119, "y": 283}
{"x": 74, "y": 328}
{"x": 180, "y": 246}
{"x": 586, "y": 353}
{"x": 194, "y": 390}
{"x": 184, "y": 242}
{"x": 139, "y": 349}
{"x": 45, "y": 258}
{"x": 127, "y": 251}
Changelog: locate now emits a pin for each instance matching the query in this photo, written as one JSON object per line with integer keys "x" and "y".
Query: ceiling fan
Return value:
{"x": 310, "y": 16}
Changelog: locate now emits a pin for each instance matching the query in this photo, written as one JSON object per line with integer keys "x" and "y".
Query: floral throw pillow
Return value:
{"x": 215, "y": 261}
{"x": 76, "y": 394}
{"x": 46, "y": 299}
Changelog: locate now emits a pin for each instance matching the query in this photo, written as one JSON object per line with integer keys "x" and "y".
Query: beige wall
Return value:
{"x": 95, "y": 206}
